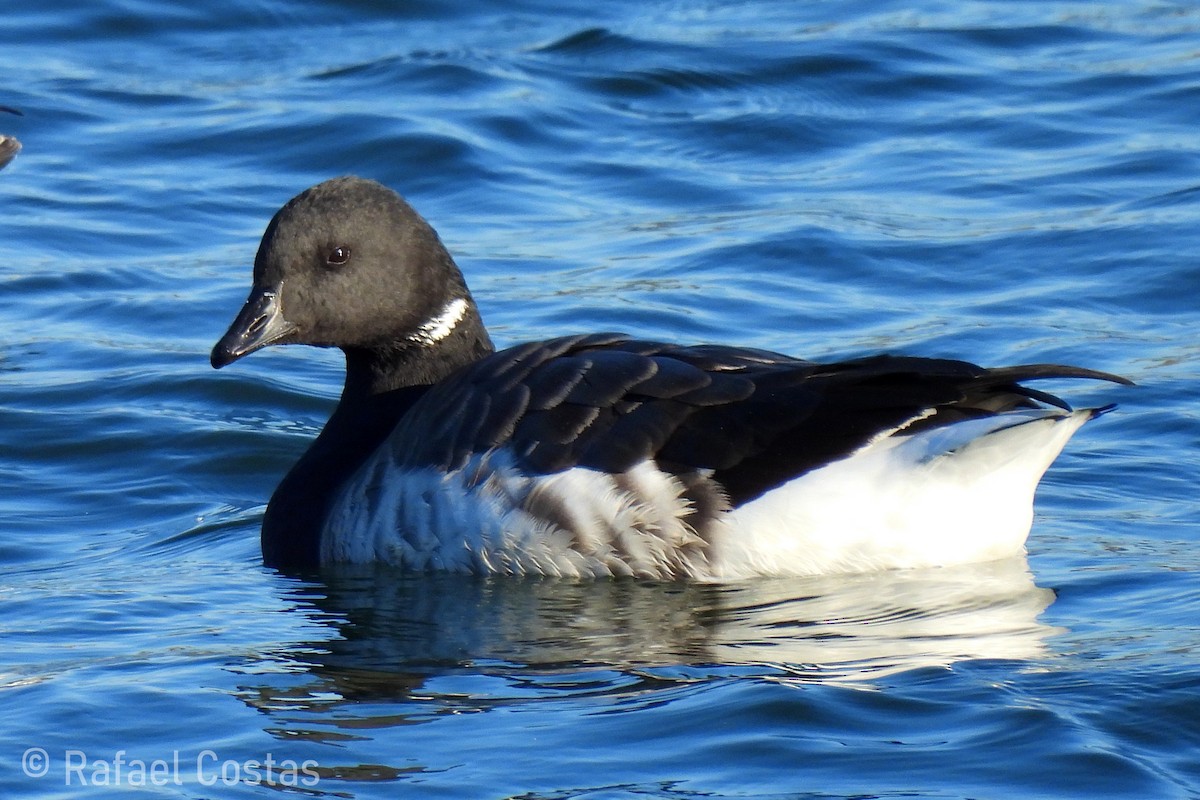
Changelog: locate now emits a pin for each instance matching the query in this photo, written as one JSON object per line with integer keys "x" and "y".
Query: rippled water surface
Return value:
{"x": 1000, "y": 181}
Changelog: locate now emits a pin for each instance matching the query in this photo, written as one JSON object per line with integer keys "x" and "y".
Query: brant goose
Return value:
{"x": 604, "y": 455}
{"x": 9, "y": 147}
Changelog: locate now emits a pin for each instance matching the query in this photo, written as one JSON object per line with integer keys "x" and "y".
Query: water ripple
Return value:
{"x": 997, "y": 181}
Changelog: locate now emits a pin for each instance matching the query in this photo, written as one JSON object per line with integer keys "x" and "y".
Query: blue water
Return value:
{"x": 1000, "y": 181}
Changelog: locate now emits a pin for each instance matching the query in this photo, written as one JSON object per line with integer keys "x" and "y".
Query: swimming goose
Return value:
{"x": 9, "y": 147}
{"x": 604, "y": 455}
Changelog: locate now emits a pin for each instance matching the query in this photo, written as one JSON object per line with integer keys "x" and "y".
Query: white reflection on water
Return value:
{"x": 392, "y": 632}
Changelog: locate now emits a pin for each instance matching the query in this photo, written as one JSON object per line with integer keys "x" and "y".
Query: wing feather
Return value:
{"x": 753, "y": 417}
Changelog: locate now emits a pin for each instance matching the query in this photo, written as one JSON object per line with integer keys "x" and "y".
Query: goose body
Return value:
{"x": 9, "y": 147}
{"x": 597, "y": 455}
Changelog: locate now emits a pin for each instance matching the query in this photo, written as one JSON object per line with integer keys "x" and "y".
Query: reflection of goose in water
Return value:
{"x": 397, "y": 632}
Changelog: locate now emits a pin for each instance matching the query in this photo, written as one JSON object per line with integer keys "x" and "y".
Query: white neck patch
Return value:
{"x": 439, "y": 327}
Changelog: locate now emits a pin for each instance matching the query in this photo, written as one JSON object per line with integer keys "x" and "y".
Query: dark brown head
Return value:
{"x": 349, "y": 264}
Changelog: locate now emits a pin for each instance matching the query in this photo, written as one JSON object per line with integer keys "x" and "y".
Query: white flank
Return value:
{"x": 489, "y": 517}
{"x": 439, "y": 327}
{"x": 952, "y": 495}
{"x": 957, "y": 494}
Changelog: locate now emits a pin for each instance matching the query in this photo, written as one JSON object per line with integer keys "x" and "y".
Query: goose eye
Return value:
{"x": 338, "y": 256}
